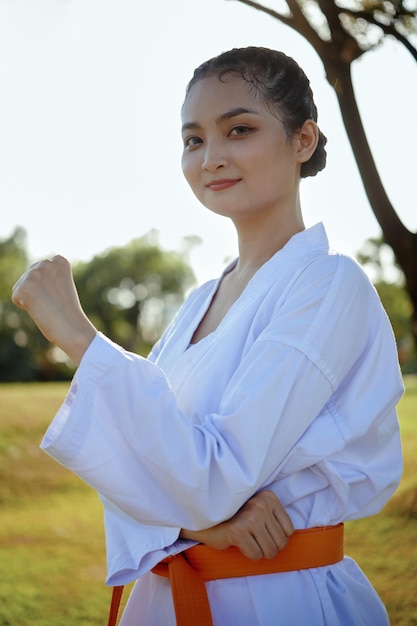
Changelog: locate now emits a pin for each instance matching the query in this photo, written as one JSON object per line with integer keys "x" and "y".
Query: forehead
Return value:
{"x": 211, "y": 97}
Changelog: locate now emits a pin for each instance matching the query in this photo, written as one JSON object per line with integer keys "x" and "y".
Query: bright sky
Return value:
{"x": 90, "y": 146}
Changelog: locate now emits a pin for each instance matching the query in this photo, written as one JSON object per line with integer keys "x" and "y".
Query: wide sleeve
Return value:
{"x": 121, "y": 431}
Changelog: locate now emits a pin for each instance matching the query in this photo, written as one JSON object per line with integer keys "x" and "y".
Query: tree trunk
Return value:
{"x": 396, "y": 235}
{"x": 337, "y": 57}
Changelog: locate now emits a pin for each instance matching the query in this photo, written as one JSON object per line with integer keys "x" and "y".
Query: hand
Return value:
{"x": 259, "y": 529}
{"x": 47, "y": 292}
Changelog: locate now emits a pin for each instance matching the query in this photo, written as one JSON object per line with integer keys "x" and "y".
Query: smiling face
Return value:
{"x": 237, "y": 158}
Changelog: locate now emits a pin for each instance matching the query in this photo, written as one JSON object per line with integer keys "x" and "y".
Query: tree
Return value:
{"x": 19, "y": 340}
{"x": 377, "y": 259}
{"x": 131, "y": 293}
{"x": 340, "y": 32}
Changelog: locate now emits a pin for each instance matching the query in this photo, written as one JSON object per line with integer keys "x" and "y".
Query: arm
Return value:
{"x": 47, "y": 292}
{"x": 259, "y": 529}
{"x": 109, "y": 429}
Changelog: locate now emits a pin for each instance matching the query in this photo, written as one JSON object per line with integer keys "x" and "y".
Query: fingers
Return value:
{"x": 262, "y": 527}
{"x": 259, "y": 529}
{"x": 39, "y": 273}
{"x": 256, "y": 541}
{"x": 280, "y": 515}
{"x": 251, "y": 549}
{"x": 17, "y": 292}
{"x": 278, "y": 526}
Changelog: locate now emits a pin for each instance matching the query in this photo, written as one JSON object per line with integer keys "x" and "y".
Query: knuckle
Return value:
{"x": 258, "y": 507}
{"x": 58, "y": 258}
{"x": 261, "y": 504}
{"x": 248, "y": 515}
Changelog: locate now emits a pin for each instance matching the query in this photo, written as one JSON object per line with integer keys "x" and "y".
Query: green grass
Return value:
{"x": 52, "y": 560}
{"x": 385, "y": 545}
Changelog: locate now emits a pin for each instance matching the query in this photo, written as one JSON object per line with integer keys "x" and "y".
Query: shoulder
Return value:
{"x": 350, "y": 324}
{"x": 314, "y": 270}
{"x": 330, "y": 312}
{"x": 334, "y": 279}
{"x": 342, "y": 293}
{"x": 326, "y": 280}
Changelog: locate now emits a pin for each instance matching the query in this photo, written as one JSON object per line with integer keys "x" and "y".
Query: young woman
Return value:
{"x": 282, "y": 374}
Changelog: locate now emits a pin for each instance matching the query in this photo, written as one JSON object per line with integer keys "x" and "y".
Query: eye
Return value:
{"x": 192, "y": 142}
{"x": 240, "y": 130}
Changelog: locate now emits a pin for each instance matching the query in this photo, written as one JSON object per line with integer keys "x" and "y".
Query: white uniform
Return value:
{"x": 296, "y": 390}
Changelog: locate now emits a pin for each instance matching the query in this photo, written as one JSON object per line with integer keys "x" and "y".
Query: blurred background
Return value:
{"x": 90, "y": 151}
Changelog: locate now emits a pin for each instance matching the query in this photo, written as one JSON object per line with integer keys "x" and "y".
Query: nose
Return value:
{"x": 214, "y": 158}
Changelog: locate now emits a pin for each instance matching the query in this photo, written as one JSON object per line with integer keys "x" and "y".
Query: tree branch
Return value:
{"x": 297, "y": 22}
{"x": 331, "y": 11}
{"x": 388, "y": 29}
{"x": 288, "y": 21}
{"x": 344, "y": 43}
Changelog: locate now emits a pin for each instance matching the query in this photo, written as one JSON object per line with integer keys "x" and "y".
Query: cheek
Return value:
{"x": 188, "y": 168}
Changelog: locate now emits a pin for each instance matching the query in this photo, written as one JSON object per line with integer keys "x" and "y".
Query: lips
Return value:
{"x": 222, "y": 183}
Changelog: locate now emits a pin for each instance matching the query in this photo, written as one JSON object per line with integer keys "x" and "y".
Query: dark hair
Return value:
{"x": 281, "y": 85}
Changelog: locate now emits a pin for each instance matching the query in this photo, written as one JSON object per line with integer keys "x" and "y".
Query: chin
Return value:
{"x": 224, "y": 209}
{"x": 224, "y": 212}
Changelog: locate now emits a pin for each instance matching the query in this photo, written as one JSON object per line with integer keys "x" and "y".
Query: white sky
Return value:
{"x": 90, "y": 97}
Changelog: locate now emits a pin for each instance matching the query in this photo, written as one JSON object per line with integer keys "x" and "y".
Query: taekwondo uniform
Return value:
{"x": 296, "y": 390}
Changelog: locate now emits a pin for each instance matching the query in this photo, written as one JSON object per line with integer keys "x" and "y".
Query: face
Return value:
{"x": 237, "y": 157}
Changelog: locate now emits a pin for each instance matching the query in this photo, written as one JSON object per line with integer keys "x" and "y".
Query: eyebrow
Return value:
{"x": 223, "y": 117}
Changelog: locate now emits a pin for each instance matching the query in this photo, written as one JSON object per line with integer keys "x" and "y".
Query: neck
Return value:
{"x": 260, "y": 239}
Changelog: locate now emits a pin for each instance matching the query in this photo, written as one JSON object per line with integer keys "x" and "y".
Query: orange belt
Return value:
{"x": 189, "y": 570}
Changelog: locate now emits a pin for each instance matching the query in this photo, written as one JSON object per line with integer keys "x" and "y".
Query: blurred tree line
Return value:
{"x": 387, "y": 275}
{"x": 131, "y": 294}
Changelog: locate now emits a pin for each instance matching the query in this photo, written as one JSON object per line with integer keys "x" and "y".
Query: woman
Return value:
{"x": 281, "y": 374}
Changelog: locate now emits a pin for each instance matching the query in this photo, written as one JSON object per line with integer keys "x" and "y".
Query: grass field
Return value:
{"x": 52, "y": 563}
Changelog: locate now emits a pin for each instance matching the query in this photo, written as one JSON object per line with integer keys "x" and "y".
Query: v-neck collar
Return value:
{"x": 303, "y": 244}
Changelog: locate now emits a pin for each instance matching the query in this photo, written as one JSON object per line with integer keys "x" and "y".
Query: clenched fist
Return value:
{"x": 47, "y": 292}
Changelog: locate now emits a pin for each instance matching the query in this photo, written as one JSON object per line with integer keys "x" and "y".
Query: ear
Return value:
{"x": 308, "y": 138}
